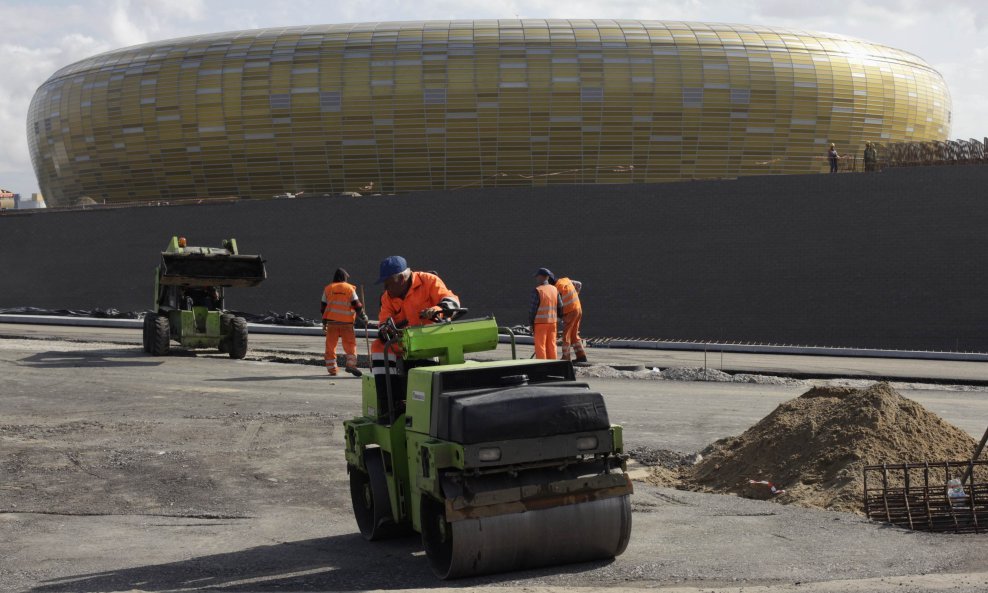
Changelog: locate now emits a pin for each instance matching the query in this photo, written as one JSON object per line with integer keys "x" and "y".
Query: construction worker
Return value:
{"x": 340, "y": 306}
{"x": 409, "y": 299}
{"x": 544, "y": 313}
{"x": 569, "y": 292}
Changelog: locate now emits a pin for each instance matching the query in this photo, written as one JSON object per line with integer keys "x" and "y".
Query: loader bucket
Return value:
{"x": 211, "y": 269}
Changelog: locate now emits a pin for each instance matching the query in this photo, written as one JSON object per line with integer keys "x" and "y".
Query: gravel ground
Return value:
{"x": 121, "y": 472}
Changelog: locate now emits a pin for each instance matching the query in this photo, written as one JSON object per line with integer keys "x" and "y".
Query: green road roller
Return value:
{"x": 499, "y": 465}
{"x": 189, "y": 298}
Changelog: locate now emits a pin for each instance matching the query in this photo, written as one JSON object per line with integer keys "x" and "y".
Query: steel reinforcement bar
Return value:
{"x": 918, "y": 496}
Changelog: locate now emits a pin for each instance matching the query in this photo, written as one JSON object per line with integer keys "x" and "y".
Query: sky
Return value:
{"x": 44, "y": 35}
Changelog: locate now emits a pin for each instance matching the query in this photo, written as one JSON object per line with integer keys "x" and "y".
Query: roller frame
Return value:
{"x": 544, "y": 501}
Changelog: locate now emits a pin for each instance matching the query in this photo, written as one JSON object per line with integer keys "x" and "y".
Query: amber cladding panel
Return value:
{"x": 385, "y": 107}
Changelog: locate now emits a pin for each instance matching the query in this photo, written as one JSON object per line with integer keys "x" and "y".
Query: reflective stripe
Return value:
{"x": 377, "y": 363}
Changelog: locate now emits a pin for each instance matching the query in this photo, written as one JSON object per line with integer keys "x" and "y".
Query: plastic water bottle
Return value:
{"x": 956, "y": 494}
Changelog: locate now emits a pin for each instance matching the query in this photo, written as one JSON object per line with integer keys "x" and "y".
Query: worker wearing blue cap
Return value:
{"x": 409, "y": 299}
{"x": 544, "y": 313}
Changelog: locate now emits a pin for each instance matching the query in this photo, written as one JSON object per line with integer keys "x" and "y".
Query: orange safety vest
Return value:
{"x": 548, "y": 299}
{"x": 339, "y": 302}
{"x": 571, "y": 298}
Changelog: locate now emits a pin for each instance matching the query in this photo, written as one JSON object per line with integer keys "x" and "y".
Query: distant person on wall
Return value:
{"x": 870, "y": 157}
{"x": 340, "y": 307}
{"x": 543, "y": 315}
{"x": 833, "y": 157}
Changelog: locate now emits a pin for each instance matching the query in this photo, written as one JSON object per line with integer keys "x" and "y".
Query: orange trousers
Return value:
{"x": 545, "y": 340}
{"x": 334, "y": 333}
{"x": 571, "y": 335}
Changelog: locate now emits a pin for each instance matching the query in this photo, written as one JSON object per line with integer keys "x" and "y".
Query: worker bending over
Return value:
{"x": 340, "y": 307}
{"x": 544, "y": 313}
{"x": 569, "y": 292}
{"x": 409, "y": 299}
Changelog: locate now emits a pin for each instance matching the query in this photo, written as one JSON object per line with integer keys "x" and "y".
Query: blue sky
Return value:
{"x": 44, "y": 35}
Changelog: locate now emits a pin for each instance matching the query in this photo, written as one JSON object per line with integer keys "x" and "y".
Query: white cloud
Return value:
{"x": 125, "y": 31}
{"x": 53, "y": 33}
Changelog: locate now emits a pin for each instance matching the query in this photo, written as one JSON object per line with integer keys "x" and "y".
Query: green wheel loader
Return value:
{"x": 189, "y": 298}
{"x": 500, "y": 466}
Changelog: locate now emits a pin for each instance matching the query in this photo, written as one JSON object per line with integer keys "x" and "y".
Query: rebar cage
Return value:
{"x": 919, "y": 495}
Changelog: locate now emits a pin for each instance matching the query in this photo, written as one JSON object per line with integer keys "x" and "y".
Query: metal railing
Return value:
{"x": 947, "y": 152}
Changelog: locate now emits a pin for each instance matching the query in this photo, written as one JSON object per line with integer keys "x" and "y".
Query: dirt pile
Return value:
{"x": 815, "y": 446}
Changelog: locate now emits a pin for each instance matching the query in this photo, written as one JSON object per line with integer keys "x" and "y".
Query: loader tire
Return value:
{"x": 225, "y": 332}
{"x": 160, "y": 336}
{"x": 237, "y": 346}
{"x": 147, "y": 331}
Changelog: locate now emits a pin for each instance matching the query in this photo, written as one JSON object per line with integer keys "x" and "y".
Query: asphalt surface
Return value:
{"x": 122, "y": 472}
{"x": 776, "y": 364}
{"x": 889, "y": 260}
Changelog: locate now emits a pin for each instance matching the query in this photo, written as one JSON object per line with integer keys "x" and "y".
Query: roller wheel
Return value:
{"x": 147, "y": 331}
{"x": 237, "y": 345}
{"x": 160, "y": 336}
{"x": 596, "y": 530}
{"x": 371, "y": 502}
{"x": 437, "y": 537}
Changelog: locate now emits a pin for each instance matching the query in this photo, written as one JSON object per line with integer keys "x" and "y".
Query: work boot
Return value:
{"x": 582, "y": 358}
{"x": 353, "y": 371}
{"x": 332, "y": 373}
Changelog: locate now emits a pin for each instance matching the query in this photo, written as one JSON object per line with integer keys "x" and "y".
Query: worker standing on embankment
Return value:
{"x": 544, "y": 313}
{"x": 569, "y": 292}
{"x": 340, "y": 307}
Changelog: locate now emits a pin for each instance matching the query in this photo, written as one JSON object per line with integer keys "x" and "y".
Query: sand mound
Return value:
{"x": 815, "y": 446}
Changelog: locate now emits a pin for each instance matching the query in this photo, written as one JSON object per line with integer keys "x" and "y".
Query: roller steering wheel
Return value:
{"x": 450, "y": 315}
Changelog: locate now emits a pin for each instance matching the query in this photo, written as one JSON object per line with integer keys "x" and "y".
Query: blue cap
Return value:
{"x": 391, "y": 265}
{"x": 544, "y": 272}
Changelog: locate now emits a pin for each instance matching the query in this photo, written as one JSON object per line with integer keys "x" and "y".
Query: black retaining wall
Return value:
{"x": 890, "y": 260}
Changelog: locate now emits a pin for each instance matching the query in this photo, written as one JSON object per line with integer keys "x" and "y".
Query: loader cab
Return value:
{"x": 209, "y": 297}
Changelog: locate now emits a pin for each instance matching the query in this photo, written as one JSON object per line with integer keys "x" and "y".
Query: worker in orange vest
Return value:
{"x": 569, "y": 292}
{"x": 544, "y": 313}
{"x": 340, "y": 307}
{"x": 409, "y": 299}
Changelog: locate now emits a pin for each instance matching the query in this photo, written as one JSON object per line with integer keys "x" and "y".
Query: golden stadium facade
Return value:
{"x": 387, "y": 107}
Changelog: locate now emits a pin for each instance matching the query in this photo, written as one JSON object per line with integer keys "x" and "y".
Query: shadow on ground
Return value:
{"x": 339, "y": 563}
{"x": 323, "y": 377}
{"x": 92, "y": 358}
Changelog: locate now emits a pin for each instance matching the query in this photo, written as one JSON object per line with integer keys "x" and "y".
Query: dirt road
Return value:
{"x": 122, "y": 472}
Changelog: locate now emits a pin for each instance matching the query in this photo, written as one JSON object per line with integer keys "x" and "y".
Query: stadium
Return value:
{"x": 394, "y": 107}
